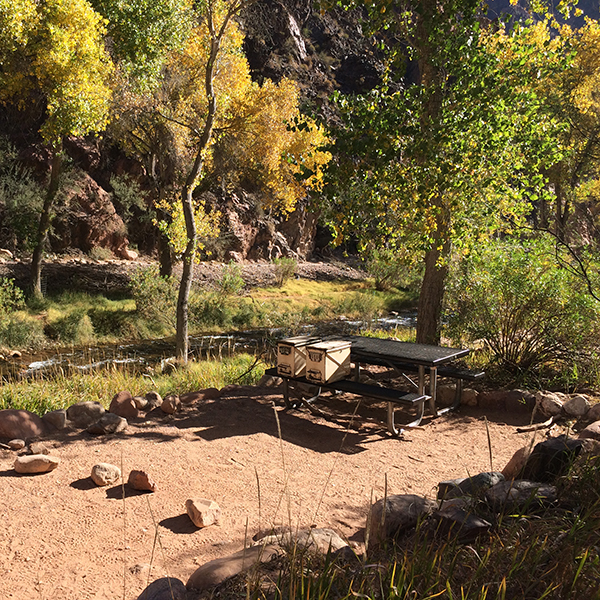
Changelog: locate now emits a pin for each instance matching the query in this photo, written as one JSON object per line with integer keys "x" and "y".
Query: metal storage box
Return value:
{"x": 328, "y": 361}
{"x": 291, "y": 355}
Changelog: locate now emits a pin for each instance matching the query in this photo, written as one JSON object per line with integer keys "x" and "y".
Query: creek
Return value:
{"x": 154, "y": 355}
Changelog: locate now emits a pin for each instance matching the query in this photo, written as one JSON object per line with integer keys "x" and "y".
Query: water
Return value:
{"x": 152, "y": 355}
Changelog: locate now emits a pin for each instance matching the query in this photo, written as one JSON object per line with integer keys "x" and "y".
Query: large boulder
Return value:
{"x": 83, "y": 414}
{"x": 15, "y": 423}
{"x": 551, "y": 459}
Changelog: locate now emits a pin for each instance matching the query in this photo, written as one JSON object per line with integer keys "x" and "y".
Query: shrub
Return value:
{"x": 231, "y": 282}
{"x": 526, "y": 310}
{"x": 21, "y": 331}
{"x": 155, "y": 296}
{"x": 75, "y": 328}
{"x": 391, "y": 268}
{"x": 285, "y": 269}
{"x": 11, "y": 297}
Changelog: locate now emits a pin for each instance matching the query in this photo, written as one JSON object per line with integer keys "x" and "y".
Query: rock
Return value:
{"x": 401, "y": 512}
{"x": 457, "y": 521}
{"x": 167, "y": 588}
{"x": 141, "y": 481}
{"x": 269, "y": 381}
{"x": 515, "y": 465}
{"x": 105, "y": 474}
{"x": 170, "y": 404}
{"x": 445, "y": 394}
{"x": 594, "y": 413}
{"x": 83, "y": 414}
{"x": 16, "y": 444}
{"x": 591, "y": 432}
{"x": 207, "y": 394}
{"x": 202, "y": 512}
{"x": 123, "y": 405}
{"x": 520, "y": 495}
{"x": 56, "y": 418}
{"x": 20, "y": 424}
{"x": 36, "y": 463}
{"x": 7, "y": 254}
{"x": 548, "y": 403}
{"x": 321, "y": 539}
{"x": 216, "y": 571}
{"x": 38, "y": 448}
{"x": 470, "y": 397}
{"x": 141, "y": 402}
{"x": 470, "y": 486}
{"x": 108, "y": 423}
{"x": 517, "y": 401}
{"x": 551, "y": 459}
{"x": 577, "y": 406}
{"x": 154, "y": 400}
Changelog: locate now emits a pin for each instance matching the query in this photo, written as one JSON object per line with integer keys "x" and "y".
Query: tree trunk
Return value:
{"x": 165, "y": 255}
{"x": 35, "y": 276}
{"x": 431, "y": 298}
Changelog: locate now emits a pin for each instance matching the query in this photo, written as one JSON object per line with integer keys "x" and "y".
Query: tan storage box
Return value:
{"x": 291, "y": 355}
{"x": 328, "y": 361}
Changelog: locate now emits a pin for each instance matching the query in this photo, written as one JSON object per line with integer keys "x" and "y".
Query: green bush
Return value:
{"x": 155, "y": 296}
{"x": 231, "y": 282}
{"x": 74, "y": 328}
{"x": 285, "y": 269}
{"x": 528, "y": 312}
{"x": 11, "y": 297}
{"x": 21, "y": 331}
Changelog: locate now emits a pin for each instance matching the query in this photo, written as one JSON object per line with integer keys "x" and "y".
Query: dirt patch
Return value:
{"x": 64, "y": 537}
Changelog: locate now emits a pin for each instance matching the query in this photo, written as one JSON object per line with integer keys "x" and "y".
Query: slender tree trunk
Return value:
{"x": 165, "y": 255}
{"x": 431, "y": 298}
{"x": 187, "y": 275}
{"x": 35, "y": 277}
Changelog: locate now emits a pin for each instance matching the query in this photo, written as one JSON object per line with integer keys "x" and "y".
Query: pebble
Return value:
{"x": 105, "y": 474}
{"x": 36, "y": 463}
{"x": 141, "y": 481}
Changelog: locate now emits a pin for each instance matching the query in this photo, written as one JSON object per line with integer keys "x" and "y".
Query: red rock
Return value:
{"x": 124, "y": 405}
{"x": 207, "y": 394}
{"x": 20, "y": 424}
{"x": 140, "y": 480}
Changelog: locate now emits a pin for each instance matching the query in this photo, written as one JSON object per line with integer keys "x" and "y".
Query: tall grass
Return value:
{"x": 62, "y": 390}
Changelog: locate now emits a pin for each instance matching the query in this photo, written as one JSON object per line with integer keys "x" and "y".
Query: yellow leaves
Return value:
{"x": 207, "y": 224}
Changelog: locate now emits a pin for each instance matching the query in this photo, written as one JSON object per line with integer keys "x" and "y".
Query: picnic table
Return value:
{"x": 402, "y": 357}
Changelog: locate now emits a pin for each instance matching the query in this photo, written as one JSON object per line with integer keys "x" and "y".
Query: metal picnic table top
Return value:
{"x": 408, "y": 352}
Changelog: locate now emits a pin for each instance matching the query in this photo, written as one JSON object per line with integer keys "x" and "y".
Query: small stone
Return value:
{"x": 16, "y": 444}
{"x": 203, "y": 512}
{"x": 167, "y": 588}
{"x": 594, "y": 413}
{"x": 170, "y": 404}
{"x": 20, "y": 424}
{"x": 577, "y": 406}
{"x": 56, "y": 418}
{"x": 108, "y": 423}
{"x": 202, "y": 395}
{"x": 549, "y": 403}
{"x": 105, "y": 474}
{"x": 591, "y": 432}
{"x": 141, "y": 402}
{"x": 154, "y": 400}
{"x": 470, "y": 397}
{"x": 123, "y": 405}
{"x": 515, "y": 465}
{"x": 38, "y": 448}
{"x": 83, "y": 414}
{"x": 36, "y": 463}
{"x": 140, "y": 480}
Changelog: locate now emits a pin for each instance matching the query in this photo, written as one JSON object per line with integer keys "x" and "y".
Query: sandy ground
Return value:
{"x": 62, "y": 537}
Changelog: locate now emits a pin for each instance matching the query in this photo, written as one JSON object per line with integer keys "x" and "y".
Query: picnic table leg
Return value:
{"x": 391, "y": 421}
{"x": 286, "y": 392}
{"x": 433, "y": 390}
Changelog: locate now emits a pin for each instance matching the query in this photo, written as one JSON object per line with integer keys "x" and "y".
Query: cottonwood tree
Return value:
{"x": 53, "y": 52}
{"x": 441, "y": 162}
{"x": 204, "y": 104}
